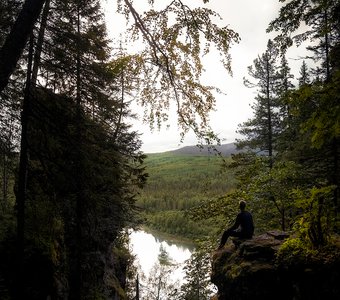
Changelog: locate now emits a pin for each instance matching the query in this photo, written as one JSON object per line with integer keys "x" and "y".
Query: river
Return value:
{"x": 146, "y": 247}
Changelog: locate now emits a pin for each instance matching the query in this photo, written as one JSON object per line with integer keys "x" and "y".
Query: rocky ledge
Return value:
{"x": 248, "y": 269}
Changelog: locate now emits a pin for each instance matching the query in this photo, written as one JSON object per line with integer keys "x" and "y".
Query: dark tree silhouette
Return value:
{"x": 17, "y": 39}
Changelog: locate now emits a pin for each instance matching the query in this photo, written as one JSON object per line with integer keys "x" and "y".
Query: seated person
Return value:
{"x": 243, "y": 227}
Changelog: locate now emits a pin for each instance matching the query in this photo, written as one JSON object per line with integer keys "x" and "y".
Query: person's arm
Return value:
{"x": 237, "y": 223}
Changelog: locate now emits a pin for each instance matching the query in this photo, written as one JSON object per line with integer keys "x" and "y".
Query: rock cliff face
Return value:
{"x": 248, "y": 270}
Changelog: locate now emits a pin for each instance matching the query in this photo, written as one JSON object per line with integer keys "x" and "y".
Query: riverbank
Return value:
{"x": 170, "y": 238}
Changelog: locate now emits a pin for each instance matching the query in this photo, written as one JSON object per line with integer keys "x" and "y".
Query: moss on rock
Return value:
{"x": 252, "y": 270}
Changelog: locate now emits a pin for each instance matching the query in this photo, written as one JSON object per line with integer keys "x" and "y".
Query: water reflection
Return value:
{"x": 146, "y": 247}
{"x": 182, "y": 245}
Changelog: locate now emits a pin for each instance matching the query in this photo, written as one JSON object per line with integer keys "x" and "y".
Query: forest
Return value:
{"x": 177, "y": 184}
{"x": 74, "y": 178}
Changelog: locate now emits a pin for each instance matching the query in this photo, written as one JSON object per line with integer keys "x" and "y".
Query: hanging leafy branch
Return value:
{"x": 176, "y": 38}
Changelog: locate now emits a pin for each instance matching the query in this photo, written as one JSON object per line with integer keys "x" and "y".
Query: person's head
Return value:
{"x": 242, "y": 204}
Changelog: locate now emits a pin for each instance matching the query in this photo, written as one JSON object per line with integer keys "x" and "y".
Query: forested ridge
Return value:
{"x": 74, "y": 178}
{"x": 176, "y": 184}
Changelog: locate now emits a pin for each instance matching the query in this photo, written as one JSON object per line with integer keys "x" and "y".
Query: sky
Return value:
{"x": 249, "y": 18}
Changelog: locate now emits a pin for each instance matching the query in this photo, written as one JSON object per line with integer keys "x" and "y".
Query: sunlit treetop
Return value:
{"x": 176, "y": 37}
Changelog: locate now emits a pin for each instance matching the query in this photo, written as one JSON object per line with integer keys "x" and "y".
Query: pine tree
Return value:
{"x": 261, "y": 131}
{"x": 159, "y": 285}
{"x": 197, "y": 276}
{"x": 268, "y": 132}
{"x": 284, "y": 89}
{"x": 304, "y": 78}
{"x": 322, "y": 19}
{"x": 315, "y": 105}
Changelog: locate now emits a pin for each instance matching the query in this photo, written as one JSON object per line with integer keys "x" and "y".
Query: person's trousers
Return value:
{"x": 234, "y": 233}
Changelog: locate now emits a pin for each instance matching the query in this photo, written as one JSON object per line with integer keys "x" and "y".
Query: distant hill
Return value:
{"x": 179, "y": 181}
{"x": 225, "y": 149}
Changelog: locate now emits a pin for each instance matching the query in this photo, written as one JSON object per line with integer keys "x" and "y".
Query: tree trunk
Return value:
{"x": 40, "y": 41}
{"x": 76, "y": 279}
{"x": 4, "y": 179}
{"x": 22, "y": 180}
{"x": 327, "y": 46}
{"x": 17, "y": 38}
{"x": 137, "y": 288}
{"x": 269, "y": 116}
{"x": 336, "y": 175}
{"x": 159, "y": 288}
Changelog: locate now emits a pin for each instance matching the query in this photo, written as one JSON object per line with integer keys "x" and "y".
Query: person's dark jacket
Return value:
{"x": 244, "y": 220}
